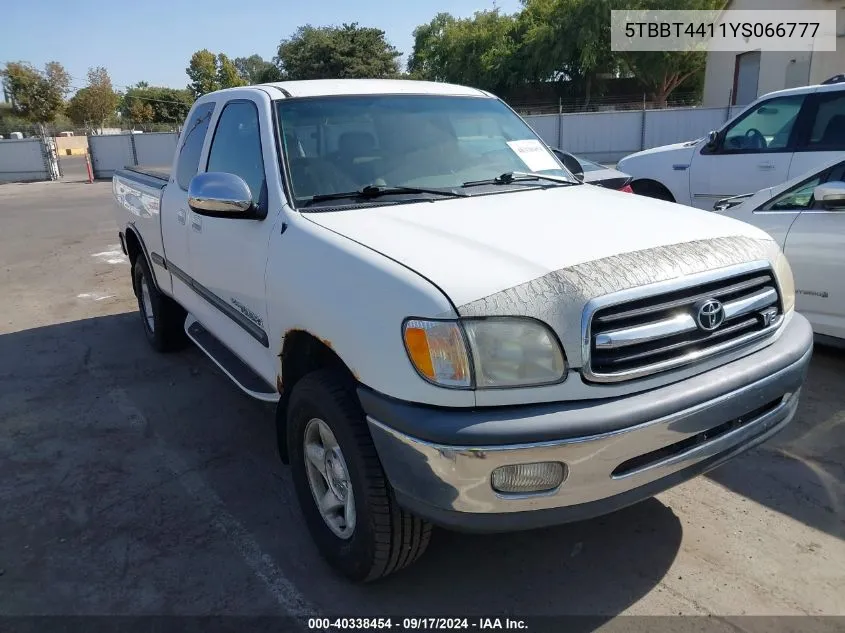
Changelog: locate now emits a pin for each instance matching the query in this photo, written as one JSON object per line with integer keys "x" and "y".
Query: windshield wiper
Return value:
{"x": 510, "y": 177}
{"x": 376, "y": 191}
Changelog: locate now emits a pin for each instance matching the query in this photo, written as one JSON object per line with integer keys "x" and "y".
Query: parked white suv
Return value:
{"x": 780, "y": 136}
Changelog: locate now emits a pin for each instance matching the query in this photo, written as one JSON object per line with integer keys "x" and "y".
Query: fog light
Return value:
{"x": 536, "y": 477}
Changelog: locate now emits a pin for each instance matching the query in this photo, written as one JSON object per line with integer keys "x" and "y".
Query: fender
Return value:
{"x": 131, "y": 228}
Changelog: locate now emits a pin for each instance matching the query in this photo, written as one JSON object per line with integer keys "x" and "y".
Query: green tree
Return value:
{"x": 480, "y": 51}
{"x": 335, "y": 52}
{"x": 147, "y": 104}
{"x": 202, "y": 71}
{"x": 662, "y": 72}
{"x": 430, "y": 58}
{"x": 95, "y": 103}
{"x": 141, "y": 113}
{"x": 256, "y": 70}
{"x": 483, "y": 51}
{"x": 227, "y": 73}
{"x": 568, "y": 40}
{"x": 36, "y": 96}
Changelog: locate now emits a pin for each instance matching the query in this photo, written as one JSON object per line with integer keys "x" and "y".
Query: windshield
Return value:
{"x": 588, "y": 165}
{"x": 342, "y": 144}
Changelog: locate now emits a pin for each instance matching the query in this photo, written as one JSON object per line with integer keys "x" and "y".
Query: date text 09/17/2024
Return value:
{"x": 416, "y": 624}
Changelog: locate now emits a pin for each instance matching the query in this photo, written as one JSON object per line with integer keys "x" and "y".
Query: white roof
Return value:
{"x": 326, "y": 87}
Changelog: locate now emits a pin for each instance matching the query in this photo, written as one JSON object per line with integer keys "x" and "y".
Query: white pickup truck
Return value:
{"x": 456, "y": 330}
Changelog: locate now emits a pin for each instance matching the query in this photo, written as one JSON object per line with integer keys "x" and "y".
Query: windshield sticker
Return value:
{"x": 535, "y": 156}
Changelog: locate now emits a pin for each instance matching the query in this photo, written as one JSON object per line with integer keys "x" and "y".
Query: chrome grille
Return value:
{"x": 643, "y": 335}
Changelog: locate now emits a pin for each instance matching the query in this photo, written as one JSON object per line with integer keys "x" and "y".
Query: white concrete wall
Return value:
{"x": 115, "y": 151}
{"x": 606, "y": 137}
{"x": 778, "y": 69}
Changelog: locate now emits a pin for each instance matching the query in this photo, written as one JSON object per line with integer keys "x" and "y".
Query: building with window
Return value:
{"x": 739, "y": 78}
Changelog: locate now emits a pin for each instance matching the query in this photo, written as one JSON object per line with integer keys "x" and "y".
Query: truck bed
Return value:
{"x": 137, "y": 197}
{"x": 152, "y": 176}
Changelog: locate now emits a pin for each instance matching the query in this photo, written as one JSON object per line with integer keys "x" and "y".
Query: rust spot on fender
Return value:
{"x": 279, "y": 384}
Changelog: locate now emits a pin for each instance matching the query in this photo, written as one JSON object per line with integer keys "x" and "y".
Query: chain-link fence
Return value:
{"x": 604, "y": 104}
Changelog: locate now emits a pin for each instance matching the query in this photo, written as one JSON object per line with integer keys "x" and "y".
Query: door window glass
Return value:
{"x": 236, "y": 146}
{"x": 797, "y": 198}
{"x": 767, "y": 127}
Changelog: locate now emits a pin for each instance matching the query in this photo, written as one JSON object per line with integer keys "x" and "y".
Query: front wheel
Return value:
{"x": 652, "y": 189}
{"x": 347, "y": 503}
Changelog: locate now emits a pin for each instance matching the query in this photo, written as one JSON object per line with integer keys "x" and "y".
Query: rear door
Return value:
{"x": 174, "y": 202}
{"x": 823, "y": 137}
{"x": 815, "y": 247}
{"x": 755, "y": 151}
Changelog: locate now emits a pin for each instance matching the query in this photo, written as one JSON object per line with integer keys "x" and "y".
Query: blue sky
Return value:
{"x": 152, "y": 40}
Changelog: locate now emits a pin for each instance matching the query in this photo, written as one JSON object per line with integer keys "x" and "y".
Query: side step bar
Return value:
{"x": 239, "y": 372}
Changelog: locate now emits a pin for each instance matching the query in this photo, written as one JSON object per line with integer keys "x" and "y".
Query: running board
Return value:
{"x": 238, "y": 371}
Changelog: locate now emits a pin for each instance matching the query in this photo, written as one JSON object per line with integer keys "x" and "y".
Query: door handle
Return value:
{"x": 180, "y": 216}
{"x": 766, "y": 166}
{"x": 196, "y": 223}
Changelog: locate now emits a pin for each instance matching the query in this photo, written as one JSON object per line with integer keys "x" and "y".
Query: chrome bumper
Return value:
{"x": 451, "y": 485}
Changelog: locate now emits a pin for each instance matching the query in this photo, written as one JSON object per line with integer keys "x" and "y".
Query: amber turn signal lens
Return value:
{"x": 437, "y": 351}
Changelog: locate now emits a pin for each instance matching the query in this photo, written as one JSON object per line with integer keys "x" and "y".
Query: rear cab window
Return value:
{"x": 189, "y": 153}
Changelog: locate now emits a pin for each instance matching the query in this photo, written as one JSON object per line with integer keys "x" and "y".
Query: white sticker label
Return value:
{"x": 535, "y": 156}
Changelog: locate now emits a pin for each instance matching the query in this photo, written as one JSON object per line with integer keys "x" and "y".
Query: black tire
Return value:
{"x": 167, "y": 332}
{"x": 652, "y": 189}
{"x": 386, "y": 537}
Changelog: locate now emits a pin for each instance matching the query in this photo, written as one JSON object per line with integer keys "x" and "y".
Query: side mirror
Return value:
{"x": 830, "y": 195}
{"x": 571, "y": 163}
{"x": 712, "y": 139}
{"x": 220, "y": 194}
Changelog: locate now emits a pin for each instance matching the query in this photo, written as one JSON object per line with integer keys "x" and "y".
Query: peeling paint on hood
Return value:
{"x": 558, "y": 298}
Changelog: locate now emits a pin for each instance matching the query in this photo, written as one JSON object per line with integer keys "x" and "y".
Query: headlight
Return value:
{"x": 504, "y": 352}
{"x": 786, "y": 282}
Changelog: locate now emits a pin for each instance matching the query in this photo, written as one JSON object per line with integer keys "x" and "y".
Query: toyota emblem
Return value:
{"x": 709, "y": 314}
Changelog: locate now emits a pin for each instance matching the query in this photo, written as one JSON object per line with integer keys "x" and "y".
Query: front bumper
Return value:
{"x": 618, "y": 451}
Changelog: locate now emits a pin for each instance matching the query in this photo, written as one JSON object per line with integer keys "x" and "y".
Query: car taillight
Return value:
{"x": 627, "y": 189}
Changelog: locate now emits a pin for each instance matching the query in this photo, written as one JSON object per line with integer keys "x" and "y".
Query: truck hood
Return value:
{"x": 677, "y": 153}
{"x": 475, "y": 247}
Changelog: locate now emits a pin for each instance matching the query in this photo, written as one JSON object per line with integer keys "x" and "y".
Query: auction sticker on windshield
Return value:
{"x": 534, "y": 155}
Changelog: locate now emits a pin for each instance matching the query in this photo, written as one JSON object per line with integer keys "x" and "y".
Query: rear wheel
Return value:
{"x": 163, "y": 319}
{"x": 347, "y": 503}
{"x": 652, "y": 189}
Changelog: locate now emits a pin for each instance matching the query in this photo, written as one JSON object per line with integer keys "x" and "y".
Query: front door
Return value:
{"x": 229, "y": 255}
{"x": 754, "y": 151}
